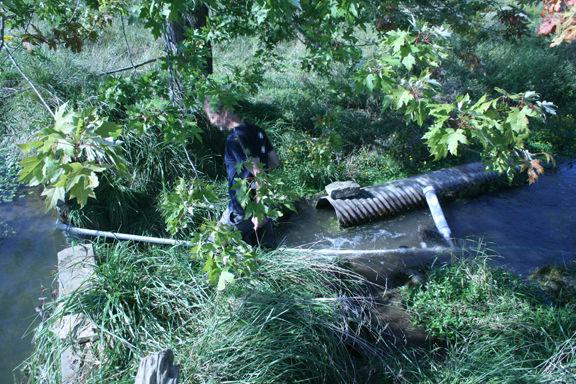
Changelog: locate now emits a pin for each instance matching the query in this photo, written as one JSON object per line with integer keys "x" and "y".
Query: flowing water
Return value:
{"x": 528, "y": 226}
{"x": 28, "y": 247}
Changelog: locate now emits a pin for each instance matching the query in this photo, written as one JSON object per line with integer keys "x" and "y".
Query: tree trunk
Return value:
{"x": 174, "y": 35}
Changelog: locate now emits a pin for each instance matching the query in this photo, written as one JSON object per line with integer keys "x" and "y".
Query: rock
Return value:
{"x": 75, "y": 265}
{"x": 158, "y": 368}
{"x": 76, "y": 326}
{"x": 342, "y": 189}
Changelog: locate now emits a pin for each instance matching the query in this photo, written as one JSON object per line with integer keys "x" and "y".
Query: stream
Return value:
{"x": 28, "y": 247}
{"x": 528, "y": 227}
{"x": 525, "y": 227}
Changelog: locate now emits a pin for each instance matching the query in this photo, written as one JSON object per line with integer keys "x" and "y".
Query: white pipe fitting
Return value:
{"x": 437, "y": 214}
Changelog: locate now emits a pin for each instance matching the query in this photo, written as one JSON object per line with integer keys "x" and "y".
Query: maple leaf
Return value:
{"x": 535, "y": 170}
{"x": 548, "y": 25}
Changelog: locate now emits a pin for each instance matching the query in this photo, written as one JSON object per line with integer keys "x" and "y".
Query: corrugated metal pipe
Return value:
{"x": 399, "y": 196}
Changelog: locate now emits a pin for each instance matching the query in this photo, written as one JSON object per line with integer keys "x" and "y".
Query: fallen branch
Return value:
{"x": 130, "y": 67}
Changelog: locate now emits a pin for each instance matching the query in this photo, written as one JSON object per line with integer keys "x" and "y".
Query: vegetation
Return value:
{"x": 294, "y": 320}
{"x": 105, "y": 100}
{"x": 495, "y": 326}
{"x": 300, "y": 320}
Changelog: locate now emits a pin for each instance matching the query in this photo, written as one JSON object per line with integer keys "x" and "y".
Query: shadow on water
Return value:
{"x": 29, "y": 243}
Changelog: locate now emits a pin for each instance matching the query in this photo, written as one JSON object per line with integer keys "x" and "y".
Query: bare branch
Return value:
{"x": 130, "y": 67}
{"x": 29, "y": 81}
{"x": 127, "y": 44}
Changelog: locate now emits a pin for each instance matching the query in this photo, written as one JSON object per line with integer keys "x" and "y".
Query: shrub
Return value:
{"x": 496, "y": 327}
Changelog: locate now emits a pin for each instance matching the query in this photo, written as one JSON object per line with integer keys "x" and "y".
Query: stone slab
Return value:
{"x": 78, "y": 327}
{"x": 342, "y": 189}
{"x": 158, "y": 368}
{"x": 70, "y": 366}
{"x": 75, "y": 265}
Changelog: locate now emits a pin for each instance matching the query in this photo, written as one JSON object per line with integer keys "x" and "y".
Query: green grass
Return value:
{"x": 496, "y": 327}
{"x": 294, "y": 320}
{"x": 297, "y": 320}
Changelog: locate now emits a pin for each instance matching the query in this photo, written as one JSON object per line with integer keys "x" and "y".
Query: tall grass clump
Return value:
{"x": 293, "y": 320}
{"x": 496, "y": 327}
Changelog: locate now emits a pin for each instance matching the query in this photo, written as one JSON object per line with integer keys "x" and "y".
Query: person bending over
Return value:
{"x": 244, "y": 142}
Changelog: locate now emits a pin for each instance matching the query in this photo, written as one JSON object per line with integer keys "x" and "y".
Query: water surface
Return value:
{"x": 28, "y": 247}
{"x": 527, "y": 226}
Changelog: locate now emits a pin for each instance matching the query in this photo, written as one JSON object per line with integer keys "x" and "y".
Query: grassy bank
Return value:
{"x": 495, "y": 327}
{"x": 296, "y": 320}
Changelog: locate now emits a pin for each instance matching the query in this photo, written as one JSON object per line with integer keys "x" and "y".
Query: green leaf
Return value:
{"x": 224, "y": 279}
{"x": 409, "y": 61}
{"x": 64, "y": 122}
{"x": 29, "y": 166}
{"x": 108, "y": 129}
{"x": 403, "y": 97}
{"x": 53, "y": 195}
{"x": 81, "y": 193}
{"x": 518, "y": 120}
{"x": 399, "y": 41}
{"x": 369, "y": 81}
{"x": 454, "y": 139}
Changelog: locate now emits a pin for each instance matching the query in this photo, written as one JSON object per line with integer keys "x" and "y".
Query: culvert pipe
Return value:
{"x": 399, "y": 196}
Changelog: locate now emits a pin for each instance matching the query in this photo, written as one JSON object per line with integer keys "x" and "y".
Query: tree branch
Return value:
{"x": 127, "y": 43}
{"x": 29, "y": 81}
{"x": 134, "y": 66}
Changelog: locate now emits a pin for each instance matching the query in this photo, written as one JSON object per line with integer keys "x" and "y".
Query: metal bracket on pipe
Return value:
{"x": 438, "y": 214}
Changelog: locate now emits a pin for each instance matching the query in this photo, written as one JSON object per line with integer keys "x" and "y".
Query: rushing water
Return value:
{"x": 28, "y": 247}
{"x": 528, "y": 226}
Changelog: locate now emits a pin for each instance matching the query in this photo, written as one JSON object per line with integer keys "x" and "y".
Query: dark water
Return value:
{"x": 28, "y": 247}
{"x": 528, "y": 226}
